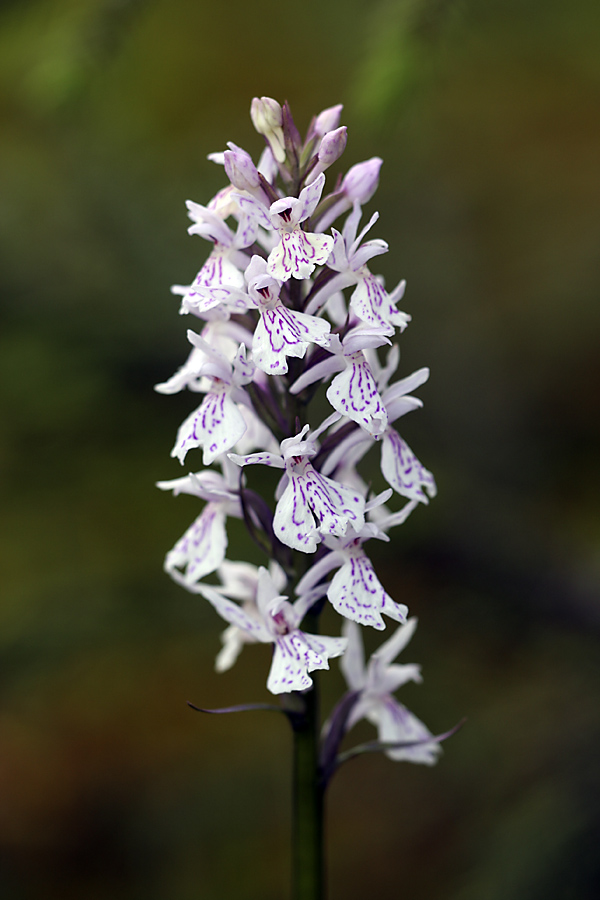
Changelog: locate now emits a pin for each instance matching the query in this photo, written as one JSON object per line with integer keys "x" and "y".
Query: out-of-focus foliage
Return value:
{"x": 486, "y": 115}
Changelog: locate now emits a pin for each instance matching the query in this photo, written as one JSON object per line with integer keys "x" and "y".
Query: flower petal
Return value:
{"x": 293, "y": 523}
{"x": 354, "y": 393}
{"x": 335, "y": 505}
{"x": 217, "y": 425}
{"x": 403, "y": 471}
{"x": 396, "y": 723}
{"x": 353, "y": 661}
{"x": 283, "y": 332}
{"x": 201, "y": 550}
{"x": 298, "y": 653}
{"x": 235, "y": 614}
{"x": 297, "y": 254}
{"x": 356, "y": 592}
{"x": 288, "y": 669}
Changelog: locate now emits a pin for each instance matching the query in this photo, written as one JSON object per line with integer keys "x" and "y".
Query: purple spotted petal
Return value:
{"x": 252, "y": 459}
{"x": 289, "y": 669}
{"x": 334, "y": 505}
{"x": 217, "y": 425}
{"x": 283, "y": 332}
{"x": 354, "y": 393}
{"x": 297, "y": 254}
{"x": 251, "y": 207}
{"x": 371, "y": 303}
{"x": 293, "y": 522}
{"x": 310, "y": 196}
{"x": 403, "y": 471}
{"x": 357, "y": 593}
{"x": 218, "y": 281}
{"x": 295, "y": 655}
{"x": 201, "y": 550}
{"x": 236, "y": 614}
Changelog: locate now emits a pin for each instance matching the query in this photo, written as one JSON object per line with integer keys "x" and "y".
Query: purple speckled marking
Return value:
{"x": 402, "y": 470}
{"x": 354, "y": 393}
{"x": 356, "y": 592}
{"x": 371, "y": 302}
{"x": 298, "y": 253}
{"x": 313, "y": 504}
{"x": 215, "y": 283}
{"x": 217, "y": 425}
{"x": 202, "y": 548}
{"x": 283, "y": 332}
{"x": 298, "y": 653}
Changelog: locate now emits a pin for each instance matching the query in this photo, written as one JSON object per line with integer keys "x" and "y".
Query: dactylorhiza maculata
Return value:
{"x": 286, "y": 308}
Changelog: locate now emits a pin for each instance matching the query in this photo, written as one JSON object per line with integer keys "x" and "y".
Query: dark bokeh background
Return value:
{"x": 486, "y": 113}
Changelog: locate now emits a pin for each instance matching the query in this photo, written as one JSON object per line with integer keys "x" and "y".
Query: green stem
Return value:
{"x": 307, "y": 831}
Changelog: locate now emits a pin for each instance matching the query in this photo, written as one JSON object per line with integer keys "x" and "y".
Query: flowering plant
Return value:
{"x": 288, "y": 310}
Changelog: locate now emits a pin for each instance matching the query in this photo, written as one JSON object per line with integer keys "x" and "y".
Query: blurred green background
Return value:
{"x": 486, "y": 113}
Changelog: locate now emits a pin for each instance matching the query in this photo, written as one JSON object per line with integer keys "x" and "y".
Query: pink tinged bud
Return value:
{"x": 266, "y": 114}
{"x": 240, "y": 169}
{"x": 267, "y": 118}
{"x": 332, "y": 147}
{"x": 327, "y": 120}
{"x": 361, "y": 180}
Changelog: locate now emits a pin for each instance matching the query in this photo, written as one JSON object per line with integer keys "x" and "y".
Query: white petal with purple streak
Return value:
{"x": 284, "y": 332}
{"x": 297, "y": 254}
{"x": 403, "y": 471}
{"x": 217, "y": 425}
{"x": 354, "y": 393}
{"x": 202, "y": 548}
{"x": 357, "y": 593}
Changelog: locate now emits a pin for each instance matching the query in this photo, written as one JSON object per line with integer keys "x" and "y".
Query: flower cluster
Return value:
{"x": 287, "y": 309}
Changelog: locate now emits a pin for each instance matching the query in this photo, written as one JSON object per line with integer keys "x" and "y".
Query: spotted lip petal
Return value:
{"x": 296, "y": 654}
{"x": 403, "y": 471}
{"x": 371, "y": 304}
{"x": 297, "y": 254}
{"x": 201, "y": 550}
{"x": 313, "y": 505}
{"x": 357, "y": 594}
{"x": 354, "y": 394}
{"x": 283, "y": 332}
{"x": 217, "y": 425}
{"x": 396, "y": 724}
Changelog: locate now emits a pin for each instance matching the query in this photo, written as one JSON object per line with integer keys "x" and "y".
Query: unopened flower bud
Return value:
{"x": 265, "y": 114}
{"x": 361, "y": 181}
{"x": 267, "y": 118}
{"x": 327, "y": 120}
{"x": 240, "y": 169}
{"x": 332, "y": 147}
{"x": 358, "y": 186}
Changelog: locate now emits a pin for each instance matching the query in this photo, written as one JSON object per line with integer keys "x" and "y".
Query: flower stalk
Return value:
{"x": 288, "y": 311}
{"x": 307, "y": 803}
